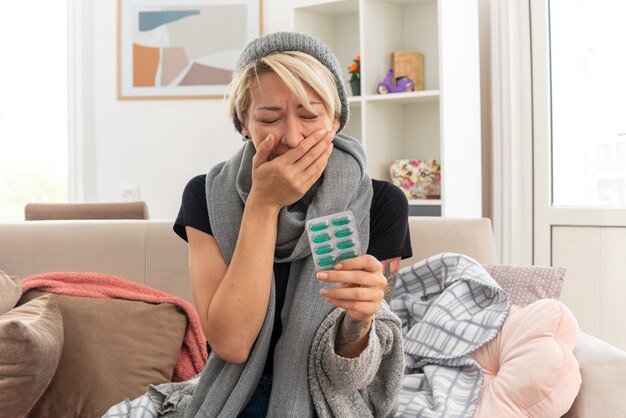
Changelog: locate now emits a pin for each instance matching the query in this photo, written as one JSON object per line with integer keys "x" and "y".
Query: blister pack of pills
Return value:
{"x": 333, "y": 238}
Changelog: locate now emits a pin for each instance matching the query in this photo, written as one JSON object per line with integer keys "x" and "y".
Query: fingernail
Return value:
{"x": 322, "y": 133}
{"x": 338, "y": 266}
{"x": 267, "y": 139}
{"x": 322, "y": 276}
{"x": 330, "y": 147}
{"x": 324, "y": 291}
{"x": 332, "y": 135}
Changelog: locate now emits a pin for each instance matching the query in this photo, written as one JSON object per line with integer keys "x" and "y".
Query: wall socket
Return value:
{"x": 130, "y": 194}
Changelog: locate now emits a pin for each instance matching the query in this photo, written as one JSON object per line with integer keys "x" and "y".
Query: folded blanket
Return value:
{"x": 192, "y": 356}
{"x": 449, "y": 306}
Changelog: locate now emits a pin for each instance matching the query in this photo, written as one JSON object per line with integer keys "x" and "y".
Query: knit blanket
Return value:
{"x": 449, "y": 306}
{"x": 192, "y": 356}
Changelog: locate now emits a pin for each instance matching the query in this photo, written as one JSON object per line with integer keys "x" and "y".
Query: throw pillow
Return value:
{"x": 113, "y": 350}
{"x": 527, "y": 284}
{"x": 529, "y": 368}
{"x": 10, "y": 292}
{"x": 31, "y": 339}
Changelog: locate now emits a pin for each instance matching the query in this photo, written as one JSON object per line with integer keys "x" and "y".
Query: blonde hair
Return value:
{"x": 293, "y": 68}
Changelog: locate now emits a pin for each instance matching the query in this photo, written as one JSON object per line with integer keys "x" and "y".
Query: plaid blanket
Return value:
{"x": 449, "y": 306}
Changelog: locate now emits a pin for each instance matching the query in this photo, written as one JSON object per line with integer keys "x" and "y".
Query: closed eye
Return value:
{"x": 269, "y": 122}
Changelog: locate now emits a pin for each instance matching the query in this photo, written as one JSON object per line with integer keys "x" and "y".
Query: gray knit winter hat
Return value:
{"x": 295, "y": 41}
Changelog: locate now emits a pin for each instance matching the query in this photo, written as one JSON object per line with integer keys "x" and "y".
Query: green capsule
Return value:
{"x": 319, "y": 226}
{"x": 341, "y": 220}
{"x": 347, "y": 254}
{"x": 323, "y": 249}
{"x": 343, "y": 232}
{"x": 327, "y": 260}
{"x": 322, "y": 237}
{"x": 344, "y": 245}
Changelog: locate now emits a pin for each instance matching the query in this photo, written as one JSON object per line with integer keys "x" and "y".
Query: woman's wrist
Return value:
{"x": 352, "y": 337}
{"x": 268, "y": 209}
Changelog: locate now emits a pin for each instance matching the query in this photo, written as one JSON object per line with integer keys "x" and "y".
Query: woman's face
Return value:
{"x": 275, "y": 110}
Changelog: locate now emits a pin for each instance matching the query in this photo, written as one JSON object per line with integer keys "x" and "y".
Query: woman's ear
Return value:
{"x": 336, "y": 124}
{"x": 245, "y": 132}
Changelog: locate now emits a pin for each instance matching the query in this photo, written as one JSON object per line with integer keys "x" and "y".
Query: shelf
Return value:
{"x": 425, "y": 96}
{"x": 441, "y": 121}
{"x": 408, "y": 2}
{"x": 354, "y": 101}
{"x": 332, "y": 7}
{"x": 425, "y": 202}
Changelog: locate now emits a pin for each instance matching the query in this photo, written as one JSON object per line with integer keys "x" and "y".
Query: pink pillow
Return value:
{"x": 529, "y": 367}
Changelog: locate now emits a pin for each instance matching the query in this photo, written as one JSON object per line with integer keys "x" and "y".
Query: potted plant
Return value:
{"x": 355, "y": 76}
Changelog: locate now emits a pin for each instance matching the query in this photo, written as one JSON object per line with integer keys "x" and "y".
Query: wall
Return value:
{"x": 156, "y": 145}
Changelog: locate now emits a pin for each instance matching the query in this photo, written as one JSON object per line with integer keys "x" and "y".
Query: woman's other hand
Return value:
{"x": 361, "y": 288}
{"x": 283, "y": 180}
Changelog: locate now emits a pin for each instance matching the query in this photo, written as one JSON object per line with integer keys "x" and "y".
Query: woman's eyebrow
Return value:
{"x": 279, "y": 108}
{"x": 311, "y": 103}
{"x": 272, "y": 108}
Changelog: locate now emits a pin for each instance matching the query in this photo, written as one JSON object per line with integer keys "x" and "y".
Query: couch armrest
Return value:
{"x": 603, "y": 370}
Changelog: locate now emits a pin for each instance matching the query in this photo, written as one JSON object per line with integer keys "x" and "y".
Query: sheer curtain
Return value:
{"x": 511, "y": 126}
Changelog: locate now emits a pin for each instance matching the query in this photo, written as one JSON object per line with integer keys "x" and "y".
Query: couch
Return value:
{"x": 148, "y": 252}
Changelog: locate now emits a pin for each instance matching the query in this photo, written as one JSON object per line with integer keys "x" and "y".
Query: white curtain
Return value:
{"x": 511, "y": 127}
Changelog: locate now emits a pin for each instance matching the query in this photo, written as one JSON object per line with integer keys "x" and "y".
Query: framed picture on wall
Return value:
{"x": 181, "y": 49}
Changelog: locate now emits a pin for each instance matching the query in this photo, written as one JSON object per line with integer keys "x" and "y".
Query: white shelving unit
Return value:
{"x": 442, "y": 121}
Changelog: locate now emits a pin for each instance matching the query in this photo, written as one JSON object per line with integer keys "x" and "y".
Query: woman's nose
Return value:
{"x": 293, "y": 134}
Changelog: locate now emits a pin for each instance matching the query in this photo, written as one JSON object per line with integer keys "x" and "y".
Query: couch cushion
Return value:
{"x": 113, "y": 350}
{"x": 529, "y": 368}
{"x": 31, "y": 339}
{"x": 10, "y": 292}
{"x": 526, "y": 284}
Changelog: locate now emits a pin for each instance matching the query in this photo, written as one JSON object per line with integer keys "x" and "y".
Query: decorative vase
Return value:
{"x": 355, "y": 85}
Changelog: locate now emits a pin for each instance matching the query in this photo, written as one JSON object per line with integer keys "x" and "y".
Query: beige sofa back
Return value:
{"x": 112, "y": 210}
{"x": 149, "y": 252}
{"x": 434, "y": 235}
{"x": 145, "y": 251}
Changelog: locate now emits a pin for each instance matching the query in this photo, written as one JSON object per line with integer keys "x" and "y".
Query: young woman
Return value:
{"x": 253, "y": 279}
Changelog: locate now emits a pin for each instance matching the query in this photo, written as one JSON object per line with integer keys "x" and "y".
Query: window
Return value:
{"x": 33, "y": 105}
{"x": 588, "y": 88}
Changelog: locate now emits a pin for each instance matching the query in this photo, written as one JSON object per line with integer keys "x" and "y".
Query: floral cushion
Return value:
{"x": 418, "y": 179}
